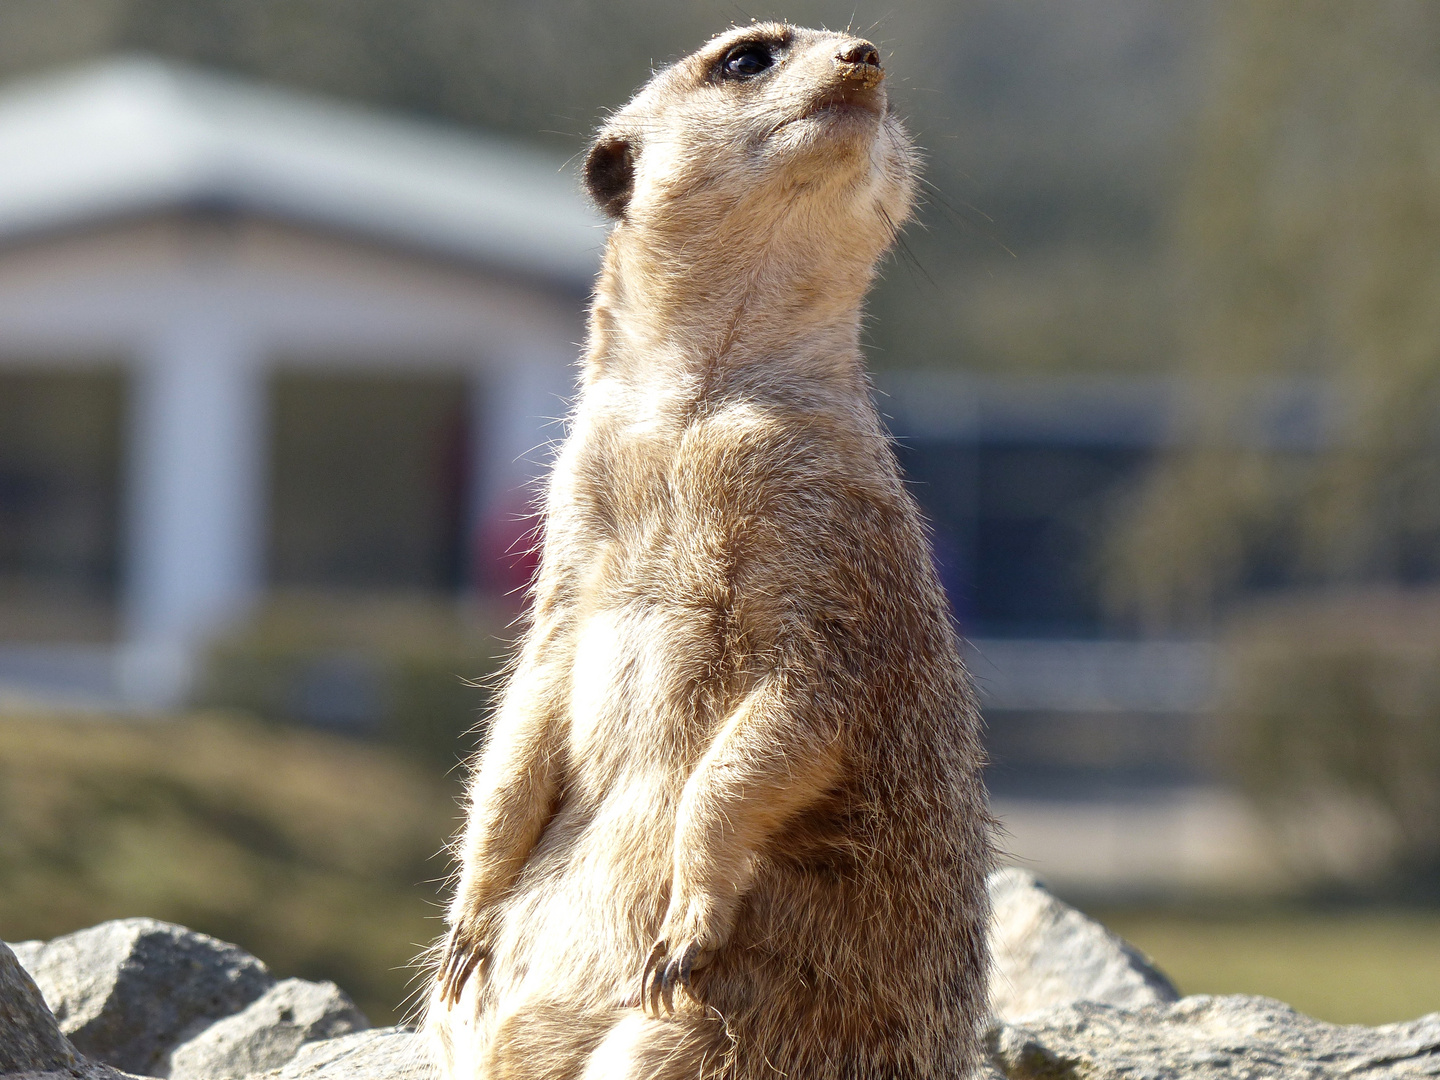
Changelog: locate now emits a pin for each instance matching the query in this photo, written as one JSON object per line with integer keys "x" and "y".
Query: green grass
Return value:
{"x": 1359, "y": 966}
{"x": 316, "y": 853}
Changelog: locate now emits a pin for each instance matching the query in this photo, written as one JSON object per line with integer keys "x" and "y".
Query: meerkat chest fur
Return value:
{"x": 669, "y": 501}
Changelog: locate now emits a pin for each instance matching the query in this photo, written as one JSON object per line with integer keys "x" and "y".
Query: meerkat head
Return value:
{"x": 768, "y": 128}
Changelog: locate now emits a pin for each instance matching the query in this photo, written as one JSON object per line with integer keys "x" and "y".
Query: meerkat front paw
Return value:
{"x": 670, "y": 965}
{"x": 687, "y": 943}
{"x": 466, "y": 946}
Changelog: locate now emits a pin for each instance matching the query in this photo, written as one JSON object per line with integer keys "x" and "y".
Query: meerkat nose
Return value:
{"x": 859, "y": 52}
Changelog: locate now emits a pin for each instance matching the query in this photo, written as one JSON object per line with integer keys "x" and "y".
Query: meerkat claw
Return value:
{"x": 461, "y": 958}
{"x": 677, "y": 972}
{"x": 667, "y": 987}
{"x": 687, "y": 965}
{"x": 650, "y": 991}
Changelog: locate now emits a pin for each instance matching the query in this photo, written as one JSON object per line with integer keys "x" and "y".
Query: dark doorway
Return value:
{"x": 60, "y": 456}
{"x": 367, "y": 481}
{"x": 1016, "y": 528}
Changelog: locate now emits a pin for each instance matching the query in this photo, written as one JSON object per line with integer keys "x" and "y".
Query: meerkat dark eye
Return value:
{"x": 747, "y": 60}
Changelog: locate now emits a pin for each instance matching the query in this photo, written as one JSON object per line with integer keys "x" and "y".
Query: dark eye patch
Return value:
{"x": 748, "y": 59}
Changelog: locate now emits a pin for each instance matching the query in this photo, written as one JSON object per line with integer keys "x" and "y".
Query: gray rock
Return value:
{"x": 32, "y": 1046}
{"x": 84, "y": 1070}
{"x": 1045, "y": 953}
{"x": 26, "y": 952}
{"x": 268, "y": 1032}
{"x": 1209, "y": 1038}
{"x": 141, "y": 982}
{"x": 378, "y": 1054}
{"x": 30, "y": 1038}
{"x": 128, "y": 992}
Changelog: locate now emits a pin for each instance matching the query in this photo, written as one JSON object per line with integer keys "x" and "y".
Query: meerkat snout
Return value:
{"x": 859, "y": 51}
{"x": 859, "y": 64}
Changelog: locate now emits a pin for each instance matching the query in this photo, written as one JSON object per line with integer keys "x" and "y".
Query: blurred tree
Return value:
{"x": 1306, "y": 249}
{"x": 1049, "y": 126}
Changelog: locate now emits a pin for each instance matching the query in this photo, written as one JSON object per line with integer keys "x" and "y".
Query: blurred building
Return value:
{"x": 254, "y": 343}
{"x": 1017, "y": 478}
{"x": 249, "y": 339}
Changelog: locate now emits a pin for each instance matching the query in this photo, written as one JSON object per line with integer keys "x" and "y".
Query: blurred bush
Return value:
{"x": 317, "y": 853}
{"x": 410, "y": 671}
{"x": 1331, "y": 719}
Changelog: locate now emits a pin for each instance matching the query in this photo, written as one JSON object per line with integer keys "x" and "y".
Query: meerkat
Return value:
{"x": 729, "y": 820}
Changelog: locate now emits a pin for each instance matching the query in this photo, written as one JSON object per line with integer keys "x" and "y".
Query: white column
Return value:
{"x": 517, "y": 409}
{"x": 196, "y": 476}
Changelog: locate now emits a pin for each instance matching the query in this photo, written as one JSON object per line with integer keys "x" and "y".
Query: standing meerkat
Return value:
{"x": 729, "y": 820}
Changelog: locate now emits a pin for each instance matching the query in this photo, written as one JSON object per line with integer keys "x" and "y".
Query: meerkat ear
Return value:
{"x": 610, "y": 173}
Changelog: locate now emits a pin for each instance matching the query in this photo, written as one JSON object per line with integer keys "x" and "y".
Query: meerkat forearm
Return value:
{"x": 771, "y": 759}
{"x": 510, "y": 801}
{"x": 512, "y": 792}
{"x": 529, "y": 720}
{"x": 774, "y": 756}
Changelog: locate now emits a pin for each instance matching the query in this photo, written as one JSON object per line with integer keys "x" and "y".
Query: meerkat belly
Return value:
{"x": 594, "y": 889}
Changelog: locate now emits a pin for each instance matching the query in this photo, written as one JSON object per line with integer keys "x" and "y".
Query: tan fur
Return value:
{"x": 738, "y": 756}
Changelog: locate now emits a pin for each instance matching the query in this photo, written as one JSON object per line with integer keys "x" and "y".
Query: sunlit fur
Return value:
{"x": 737, "y": 720}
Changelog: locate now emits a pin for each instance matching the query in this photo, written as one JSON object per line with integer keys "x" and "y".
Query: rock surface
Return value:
{"x": 128, "y": 992}
{"x": 1045, "y": 953}
{"x": 379, "y": 1054}
{"x": 27, "y": 952}
{"x": 1205, "y": 1037}
{"x": 30, "y": 1039}
{"x": 268, "y": 1032}
{"x": 32, "y": 1046}
{"x": 1074, "y": 1002}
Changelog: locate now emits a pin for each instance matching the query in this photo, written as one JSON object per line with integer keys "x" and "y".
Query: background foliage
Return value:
{"x": 1305, "y": 248}
{"x": 408, "y": 671}
{"x": 1331, "y": 720}
{"x": 319, "y": 854}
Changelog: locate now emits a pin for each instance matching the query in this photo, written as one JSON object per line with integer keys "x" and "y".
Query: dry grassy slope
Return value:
{"x": 316, "y": 853}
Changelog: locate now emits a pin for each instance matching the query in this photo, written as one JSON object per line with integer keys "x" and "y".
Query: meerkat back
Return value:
{"x": 729, "y": 820}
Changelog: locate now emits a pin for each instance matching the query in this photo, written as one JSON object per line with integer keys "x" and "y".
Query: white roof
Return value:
{"x": 135, "y": 135}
